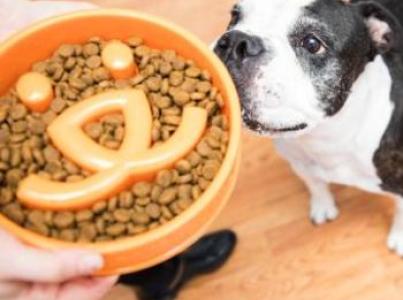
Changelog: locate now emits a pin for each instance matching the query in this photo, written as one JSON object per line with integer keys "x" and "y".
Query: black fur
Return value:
{"x": 349, "y": 49}
{"x": 388, "y": 158}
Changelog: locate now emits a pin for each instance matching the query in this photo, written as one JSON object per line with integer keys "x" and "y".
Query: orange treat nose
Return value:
{"x": 35, "y": 91}
{"x": 118, "y": 58}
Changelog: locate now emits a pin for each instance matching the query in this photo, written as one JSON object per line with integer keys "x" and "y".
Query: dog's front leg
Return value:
{"x": 322, "y": 204}
{"x": 395, "y": 239}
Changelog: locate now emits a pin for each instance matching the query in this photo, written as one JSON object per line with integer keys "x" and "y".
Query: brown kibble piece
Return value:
{"x": 93, "y": 62}
{"x": 153, "y": 84}
{"x": 100, "y": 225}
{"x": 210, "y": 169}
{"x": 176, "y": 78}
{"x": 58, "y": 105}
{"x": 121, "y": 215}
{"x": 142, "y": 189}
{"x": 193, "y": 72}
{"x": 84, "y": 215}
{"x": 181, "y": 97}
{"x": 100, "y": 74}
{"x": 90, "y": 49}
{"x": 168, "y": 196}
{"x": 153, "y": 210}
{"x": 143, "y": 201}
{"x": 48, "y": 117}
{"x": 172, "y": 120}
{"x": 136, "y": 229}
{"x": 18, "y": 112}
{"x": 116, "y": 230}
{"x": 203, "y": 87}
{"x": 196, "y": 192}
{"x": 99, "y": 207}
{"x": 183, "y": 166}
{"x": 14, "y": 212}
{"x": 63, "y": 219}
{"x": 36, "y": 217}
{"x": 156, "y": 192}
{"x": 19, "y": 127}
{"x": 164, "y": 178}
{"x": 203, "y": 149}
{"x": 88, "y": 232}
{"x": 126, "y": 199}
{"x": 39, "y": 228}
{"x": 37, "y": 126}
{"x": 68, "y": 235}
{"x": 13, "y": 177}
{"x": 6, "y": 196}
{"x": 184, "y": 191}
{"x": 51, "y": 154}
{"x": 66, "y": 51}
{"x": 140, "y": 218}
{"x": 93, "y": 130}
{"x": 113, "y": 203}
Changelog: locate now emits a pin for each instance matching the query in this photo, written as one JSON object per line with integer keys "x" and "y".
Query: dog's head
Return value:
{"x": 294, "y": 62}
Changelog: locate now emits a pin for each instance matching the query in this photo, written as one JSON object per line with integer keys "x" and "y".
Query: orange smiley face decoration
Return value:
{"x": 114, "y": 170}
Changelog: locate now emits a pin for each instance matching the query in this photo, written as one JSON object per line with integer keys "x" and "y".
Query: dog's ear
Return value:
{"x": 381, "y": 24}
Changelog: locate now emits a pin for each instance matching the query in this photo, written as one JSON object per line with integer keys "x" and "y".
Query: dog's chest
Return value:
{"x": 344, "y": 163}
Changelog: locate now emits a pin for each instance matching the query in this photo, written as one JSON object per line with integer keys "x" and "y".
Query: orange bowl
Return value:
{"x": 40, "y": 40}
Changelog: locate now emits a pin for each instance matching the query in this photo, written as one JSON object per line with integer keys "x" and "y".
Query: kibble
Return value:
{"x": 171, "y": 83}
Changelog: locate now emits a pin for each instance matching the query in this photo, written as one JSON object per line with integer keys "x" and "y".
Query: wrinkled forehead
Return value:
{"x": 272, "y": 16}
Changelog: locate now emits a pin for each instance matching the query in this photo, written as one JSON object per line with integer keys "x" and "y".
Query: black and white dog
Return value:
{"x": 325, "y": 79}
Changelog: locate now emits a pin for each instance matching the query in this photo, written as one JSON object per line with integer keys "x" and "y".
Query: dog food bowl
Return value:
{"x": 145, "y": 250}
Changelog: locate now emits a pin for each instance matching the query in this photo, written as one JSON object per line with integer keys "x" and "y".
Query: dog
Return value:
{"x": 324, "y": 79}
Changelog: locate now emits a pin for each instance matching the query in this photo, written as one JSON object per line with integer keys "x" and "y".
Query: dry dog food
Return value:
{"x": 77, "y": 72}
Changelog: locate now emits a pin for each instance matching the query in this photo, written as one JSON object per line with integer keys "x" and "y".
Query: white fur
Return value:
{"x": 282, "y": 91}
{"x": 341, "y": 149}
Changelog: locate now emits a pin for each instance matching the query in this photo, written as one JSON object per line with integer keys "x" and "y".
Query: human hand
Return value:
{"x": 27, "y": 273}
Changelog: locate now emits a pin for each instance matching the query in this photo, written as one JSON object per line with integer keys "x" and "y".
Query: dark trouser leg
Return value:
{"x": 164, "y": 281}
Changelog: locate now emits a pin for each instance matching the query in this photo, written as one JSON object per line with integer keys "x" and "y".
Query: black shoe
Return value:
{"x": 164, "y": 281}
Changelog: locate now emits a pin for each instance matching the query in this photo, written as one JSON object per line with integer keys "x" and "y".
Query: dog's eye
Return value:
{"x": 313, "y": 44}
{"x": 236, "y": 15}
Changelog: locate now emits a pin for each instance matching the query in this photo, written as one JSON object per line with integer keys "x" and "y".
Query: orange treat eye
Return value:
{"x": 118, "y": 58}
{"x": 35, "y": 91}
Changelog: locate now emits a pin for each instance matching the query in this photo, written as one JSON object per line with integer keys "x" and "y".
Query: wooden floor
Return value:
{"x": 281, "y": 255}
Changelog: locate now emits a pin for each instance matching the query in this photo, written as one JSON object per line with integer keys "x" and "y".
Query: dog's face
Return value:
{"x": 294, "y": 62}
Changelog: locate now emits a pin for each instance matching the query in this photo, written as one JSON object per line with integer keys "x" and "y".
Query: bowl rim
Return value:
{"x": 227, "y": 166}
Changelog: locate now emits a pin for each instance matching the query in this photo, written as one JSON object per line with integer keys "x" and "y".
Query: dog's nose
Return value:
{"x": 238, "y": 46}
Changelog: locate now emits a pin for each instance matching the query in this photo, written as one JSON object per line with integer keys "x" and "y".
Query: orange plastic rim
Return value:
{"x": 36, "y": 43}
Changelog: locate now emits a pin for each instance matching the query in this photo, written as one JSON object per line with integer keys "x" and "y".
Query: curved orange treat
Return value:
{"x": 35, "y": 91}
{"x": 85, "y": 151}
{"x": 119, "y": 59}
{"x": 36, "y": 191}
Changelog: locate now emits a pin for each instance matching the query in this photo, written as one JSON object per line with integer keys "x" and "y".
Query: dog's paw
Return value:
{"x": 395, "y": 241}
{"x": 323, "y": 212}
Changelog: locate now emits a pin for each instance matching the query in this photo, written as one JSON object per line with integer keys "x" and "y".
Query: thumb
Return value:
{"x": 86, "y": 288}
{"x": 35, "y": 265}
{"x": 20, "y": 262}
